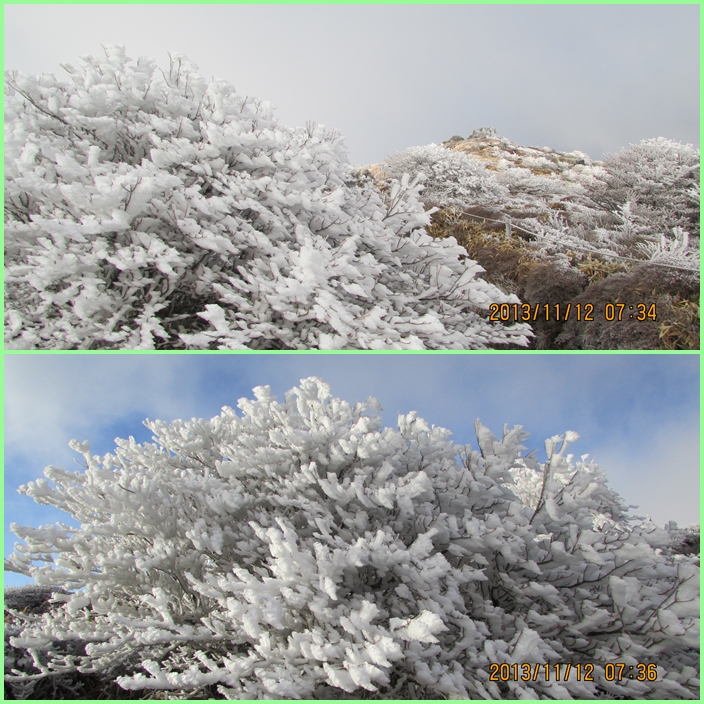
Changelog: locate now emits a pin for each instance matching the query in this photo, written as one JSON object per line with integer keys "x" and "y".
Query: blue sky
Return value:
{"x": 637, "y": 414}
{"x": 592, "y": 78}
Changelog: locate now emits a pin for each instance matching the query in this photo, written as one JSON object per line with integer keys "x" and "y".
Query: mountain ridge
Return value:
{"x": 559, "y": 228}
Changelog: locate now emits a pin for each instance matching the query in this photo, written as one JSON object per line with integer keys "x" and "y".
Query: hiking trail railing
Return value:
{"x": 510, "y": 226}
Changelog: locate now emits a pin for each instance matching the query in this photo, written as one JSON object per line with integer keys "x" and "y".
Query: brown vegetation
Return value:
{"x": 512, "y": 264}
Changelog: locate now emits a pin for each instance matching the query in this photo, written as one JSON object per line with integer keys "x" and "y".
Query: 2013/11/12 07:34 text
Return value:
{"x": 525, "y": 312}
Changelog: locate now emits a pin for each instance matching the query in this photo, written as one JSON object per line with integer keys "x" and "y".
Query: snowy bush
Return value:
{"x": 626, "y": 241}
{"x": 451, "y": 178}
{"x": 659, "y": 178}
{"x": 152, "y": 209}
{"x": 299, "y": 548}
{"x": 652, "y": 190}
{"x": 674, "y": 250}
{"x": 522, "y": 181}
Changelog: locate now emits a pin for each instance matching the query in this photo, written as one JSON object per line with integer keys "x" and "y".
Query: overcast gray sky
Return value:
{"x": 592, "y": 78}
{"x": 637, "y": 414}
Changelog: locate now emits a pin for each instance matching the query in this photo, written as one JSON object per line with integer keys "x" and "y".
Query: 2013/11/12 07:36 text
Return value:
{"x": 613, "y": 671}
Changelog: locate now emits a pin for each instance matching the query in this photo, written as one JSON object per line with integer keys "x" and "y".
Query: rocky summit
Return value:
{"x": 498, "y": 154}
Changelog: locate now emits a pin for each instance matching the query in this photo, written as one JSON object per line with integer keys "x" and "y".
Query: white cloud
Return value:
{"x": 49, "y": 400}
{"x": 661, "y": 478}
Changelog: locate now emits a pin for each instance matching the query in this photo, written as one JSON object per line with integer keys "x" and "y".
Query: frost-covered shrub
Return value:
{"x": 659, "y": 178}
{"x": 652, "y": 190}
{"x": 299, "y": 546}
{"x": 521, "y": 181}
{"x": 673, "y": 251}
{"x": 624, "y": 241}
{"x": 153, "y": 209}
{"x": 688, "y": 542}
{"x": 31, "y": 600}
{"x": 451, "y": 178}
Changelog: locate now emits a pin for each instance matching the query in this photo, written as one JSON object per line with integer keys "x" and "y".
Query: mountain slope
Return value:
{"x": 617, "y": 241}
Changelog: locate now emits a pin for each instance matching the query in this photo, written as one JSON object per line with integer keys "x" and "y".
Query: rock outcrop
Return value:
{"x": 499, "y": 154}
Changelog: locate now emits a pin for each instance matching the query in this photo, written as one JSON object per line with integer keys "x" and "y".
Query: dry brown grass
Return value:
{"x": 504, "y": 258}
{"x": 596, "y": 269}
{"x": 680, "y": 329}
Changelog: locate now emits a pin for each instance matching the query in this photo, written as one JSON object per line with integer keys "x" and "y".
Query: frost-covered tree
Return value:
{"x": 153, "y": 209}
{"x": 298, "y": 549}
{"x": 451, "y": 178}
{"x": 658, "y": 179}
{"x": 535, "y": 188}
